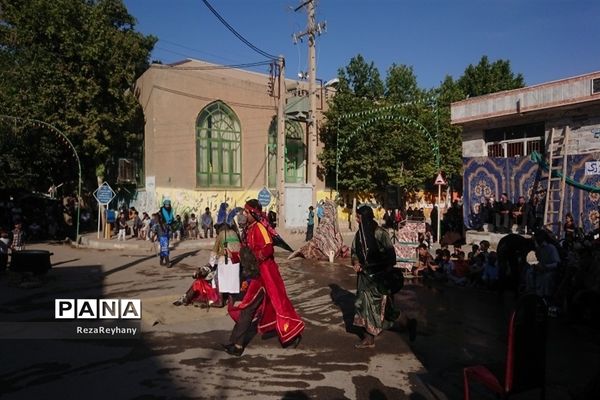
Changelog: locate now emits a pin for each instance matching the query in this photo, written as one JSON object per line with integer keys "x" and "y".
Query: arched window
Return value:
{"x": 295, "y": 153}
{"x": 218, "y": 147}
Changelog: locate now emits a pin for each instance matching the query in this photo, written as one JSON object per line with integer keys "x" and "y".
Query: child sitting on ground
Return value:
{"x": 490, "y": 271}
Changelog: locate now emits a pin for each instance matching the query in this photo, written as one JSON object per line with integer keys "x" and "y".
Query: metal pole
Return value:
{"x": 312, "y": 80}
{"x": 439, "y": 213}
{"x": 281, "y": 145}
{"x": 337, "y": 157}
{"x": 98, "y": 236}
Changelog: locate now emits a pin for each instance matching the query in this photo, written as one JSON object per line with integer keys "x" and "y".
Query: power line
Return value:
{"x": 239, "y": 36}
{"x": 213, "y": 67}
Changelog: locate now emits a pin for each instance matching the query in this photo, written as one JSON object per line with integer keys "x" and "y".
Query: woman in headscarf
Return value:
{"x": 162, "y": 231}
{"x": 373, "y": 257}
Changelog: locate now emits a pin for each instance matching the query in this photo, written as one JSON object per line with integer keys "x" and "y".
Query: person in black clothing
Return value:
{"x": 475, "y": 218}
{"x": 388, "y": 219}
{"x": 519, "y": 214}
{"x": 503, "y": 210}
{"x": 434, "y": 222}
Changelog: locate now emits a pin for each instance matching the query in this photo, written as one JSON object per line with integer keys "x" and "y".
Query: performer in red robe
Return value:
{"x": 266, "y": 297}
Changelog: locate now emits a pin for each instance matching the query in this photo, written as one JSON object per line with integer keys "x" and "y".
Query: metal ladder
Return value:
{"x": 557, "y": 163}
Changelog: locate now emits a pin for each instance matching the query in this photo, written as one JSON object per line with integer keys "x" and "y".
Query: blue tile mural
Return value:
{"x": 520, "y": 176}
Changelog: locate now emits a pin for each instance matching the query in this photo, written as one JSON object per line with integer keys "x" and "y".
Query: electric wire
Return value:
{"x": 239, "y": 36}
{"x": 212, "y": 67}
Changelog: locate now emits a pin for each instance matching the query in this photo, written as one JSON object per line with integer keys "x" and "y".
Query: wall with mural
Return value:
{"x": 487, "y": 176}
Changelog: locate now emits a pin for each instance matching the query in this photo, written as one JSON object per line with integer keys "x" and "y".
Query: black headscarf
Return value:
{"x": 367, "y": 250}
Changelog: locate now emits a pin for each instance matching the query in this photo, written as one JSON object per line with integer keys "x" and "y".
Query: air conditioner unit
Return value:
{"x": 596, "y": 86}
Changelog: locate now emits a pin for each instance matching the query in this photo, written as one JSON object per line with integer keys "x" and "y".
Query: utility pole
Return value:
{"x": 281, "y": 143}
{"x": 312, "y": 29}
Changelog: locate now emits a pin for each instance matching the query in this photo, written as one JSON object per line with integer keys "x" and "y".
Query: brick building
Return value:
{"x": 210, "y": 136}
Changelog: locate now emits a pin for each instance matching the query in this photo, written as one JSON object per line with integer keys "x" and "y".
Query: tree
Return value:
{"x": 448, "y": 134}
{"x": 397, "y": 144}
{"x": 378, "y": 148}
{"x": 73, "y": 64}
{"x": 487, "y": 78}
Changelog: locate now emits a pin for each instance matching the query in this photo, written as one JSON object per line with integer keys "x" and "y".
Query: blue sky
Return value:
{"x": 544, "y": 40}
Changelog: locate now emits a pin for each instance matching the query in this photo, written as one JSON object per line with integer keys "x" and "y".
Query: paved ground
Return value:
{"x": 179, "y": 354}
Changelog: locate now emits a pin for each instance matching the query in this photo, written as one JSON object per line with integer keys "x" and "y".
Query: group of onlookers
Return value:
{"x": 501, "y": 215}
{"x": 130, "y": 224}
{"x": 478, "y": 268}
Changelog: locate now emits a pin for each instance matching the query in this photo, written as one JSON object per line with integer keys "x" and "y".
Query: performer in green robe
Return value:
{"x": 373, "y": 259}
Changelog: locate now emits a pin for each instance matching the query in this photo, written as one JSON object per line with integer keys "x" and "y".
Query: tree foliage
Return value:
{"x": 389, "y": 133}
{"x": 72, "y": 64}
{"x": 485, "y": 78}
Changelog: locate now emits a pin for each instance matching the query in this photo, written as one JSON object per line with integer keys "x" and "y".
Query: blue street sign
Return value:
{"x": 264, "y": 197}
{"x": 104, "y": 194}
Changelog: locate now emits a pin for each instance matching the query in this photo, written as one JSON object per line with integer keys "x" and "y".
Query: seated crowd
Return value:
{"x": 501, "y": 215}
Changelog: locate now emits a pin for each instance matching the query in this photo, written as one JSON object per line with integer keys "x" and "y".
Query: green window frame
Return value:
{"x": 295, "y": 153}
{"x": 218, "y": 147}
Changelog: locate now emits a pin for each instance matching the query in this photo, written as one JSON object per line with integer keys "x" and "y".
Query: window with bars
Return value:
{"x": 218, "y": 147}
{"x": 295, "y": 153}
{"x": 514, "y": 141}
{"x": 127, "y": 171}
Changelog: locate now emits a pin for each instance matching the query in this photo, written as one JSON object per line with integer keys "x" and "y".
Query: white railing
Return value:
{"x": 514, "y": 148}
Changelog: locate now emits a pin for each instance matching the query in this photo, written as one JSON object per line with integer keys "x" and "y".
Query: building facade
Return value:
{"x": 502, "y": 132}
{"x": 211, "y": 135}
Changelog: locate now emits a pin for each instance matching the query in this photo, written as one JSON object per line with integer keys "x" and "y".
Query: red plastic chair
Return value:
{"x": 526, "y": 353}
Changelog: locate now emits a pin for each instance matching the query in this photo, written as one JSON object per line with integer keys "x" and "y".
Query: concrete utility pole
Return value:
{"x": 281, "y": 143}
{"x": 312, "y": 92}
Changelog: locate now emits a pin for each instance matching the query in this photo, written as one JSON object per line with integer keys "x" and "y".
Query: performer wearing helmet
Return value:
{"x": 266, "y": 295}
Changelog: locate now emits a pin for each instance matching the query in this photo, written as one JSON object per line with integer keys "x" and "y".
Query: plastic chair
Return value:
{"x": 526, "y": 353}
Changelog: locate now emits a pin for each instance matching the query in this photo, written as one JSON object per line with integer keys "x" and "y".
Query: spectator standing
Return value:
{"x": 137, "y": 223}
{"x": 193, "y": 227}
{"x": 122, "y": 225}
{"x": 207, "y": 223}
{"x": 569, "y": 227}
{"x": 310, "y": 223}
{"x": 4, "y": 246}
{"x": 320, "y": 211}
{"x": 17, "y": 242}
{"x": 434, "y": 222}
{"x": 541, "y": 278}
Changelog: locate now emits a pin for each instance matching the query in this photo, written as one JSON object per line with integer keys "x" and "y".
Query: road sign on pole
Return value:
{"x": 264, "y": 197}
{"x": 439, "y": 180}
{"x": 104, "y": 194}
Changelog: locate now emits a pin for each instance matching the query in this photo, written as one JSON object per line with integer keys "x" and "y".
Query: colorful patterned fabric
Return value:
{"x": 327, "y": 237}
{"x": 518, "y": 176}
{"x": 406, "y": 242}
